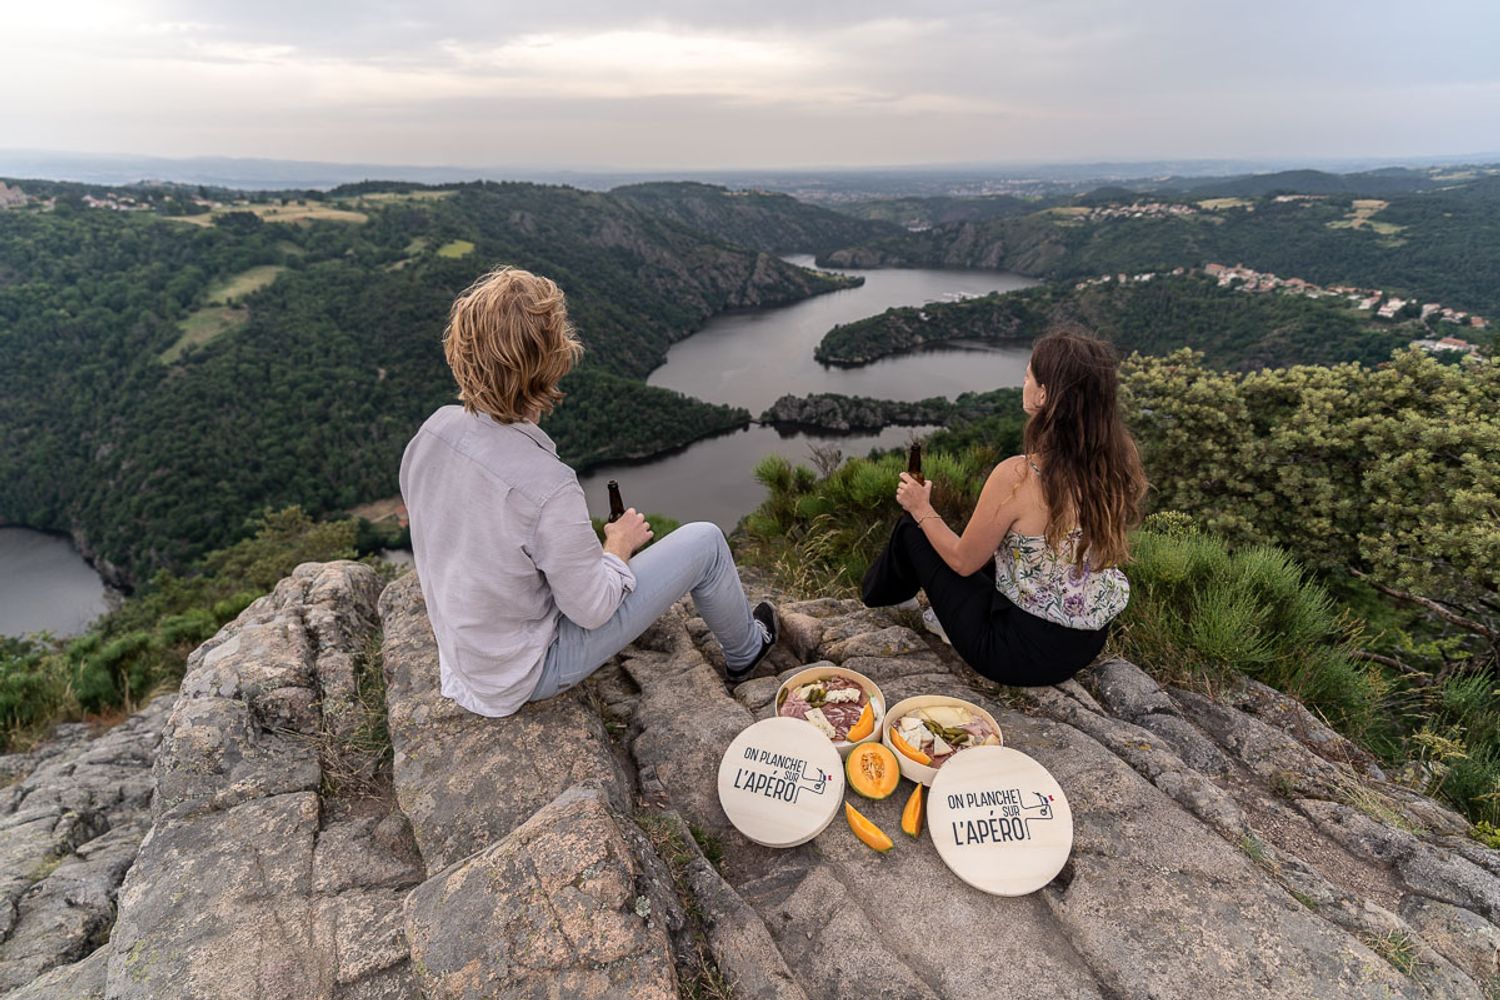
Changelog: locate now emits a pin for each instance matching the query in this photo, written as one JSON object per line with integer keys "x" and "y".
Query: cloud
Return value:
{"x": 682, "y": 83}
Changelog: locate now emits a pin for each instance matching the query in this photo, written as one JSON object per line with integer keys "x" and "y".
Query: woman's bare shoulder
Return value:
{"x": 1012, "y": 470}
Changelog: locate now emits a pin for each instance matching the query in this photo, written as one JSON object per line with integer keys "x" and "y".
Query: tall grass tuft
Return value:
{"x": 1197, "y": 606}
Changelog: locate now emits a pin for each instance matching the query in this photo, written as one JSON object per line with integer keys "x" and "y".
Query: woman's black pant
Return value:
{"x": 996, "y": 638}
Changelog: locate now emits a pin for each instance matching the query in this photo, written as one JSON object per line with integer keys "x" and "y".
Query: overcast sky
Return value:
{"x": 623, "y": 84}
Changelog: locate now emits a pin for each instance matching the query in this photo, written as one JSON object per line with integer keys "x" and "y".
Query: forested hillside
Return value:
{"x": 938, "y": 209}
{"x": 758, "y": 219}
{"x": 1232, "y": 328}
{"x": 1437, "y": 245}
{"x": 161, "y": 379}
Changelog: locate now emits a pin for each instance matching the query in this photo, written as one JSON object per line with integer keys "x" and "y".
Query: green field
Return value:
{"x": 296, "y": 212}
{"x": 203, "y": 326}
{"x": 379, "y": 199}
{"x": 1361, "y": 215}
{"x": 456, "y": 249}
{"x": 1219, "y": 204}
{"x": 237, "y": 286}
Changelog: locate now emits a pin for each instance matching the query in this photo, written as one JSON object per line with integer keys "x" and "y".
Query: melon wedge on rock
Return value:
{"x": 911, "y": 816}
{"x": 867, "y": 831}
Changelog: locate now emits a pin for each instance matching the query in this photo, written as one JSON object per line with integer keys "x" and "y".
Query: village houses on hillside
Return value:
{"x": 1365, "y": 299}
{"x": 1244, "y": 279}
{"x": 12, "y": 197}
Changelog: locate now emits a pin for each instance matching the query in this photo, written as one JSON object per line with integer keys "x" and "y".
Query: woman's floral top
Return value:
{"x": 1045, "y": 583}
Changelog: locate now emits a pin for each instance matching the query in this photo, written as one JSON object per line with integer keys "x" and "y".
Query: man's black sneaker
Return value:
{"x": 765, "y": 614}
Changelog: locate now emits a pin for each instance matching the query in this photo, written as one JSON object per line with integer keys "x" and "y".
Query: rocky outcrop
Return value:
{"x": 71, "y": 820}
{"x": 831, "y": 411}
{"x": 560, "y": 907}
{"x": 255, "y": 877}
{"x": 1225, "y": 846}
{"x": 465, "y": 781}
{"x": 847, "y": 414}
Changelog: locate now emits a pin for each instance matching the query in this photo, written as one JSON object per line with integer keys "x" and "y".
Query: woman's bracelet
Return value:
{"x": 926, "y": 516}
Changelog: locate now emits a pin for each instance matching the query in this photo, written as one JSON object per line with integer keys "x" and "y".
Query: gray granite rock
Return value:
{"x": 894, "y": 640}
{"x": 83, "y": 980}
{"x": 215, "y": 756}
{"x": 1266, "y": 751}
{"x": 1156, "y": 901}
{"x": 1128, "y": 692}
{"x": 550, "y": 910}
{"x": 70, "y": 822}
{"x": 800, "y": 633}
{"x": 219, "y": 901}
{"x": 1292, "y": 717}
{"x": 67, "y": 915}
{"x": 249, "y": 882}
{"x": 465, "y": 780}
{"x": 1425, "y": 869}
{"x": 366, "y": 852}
{"x": 1467, "y": 939}
{"x": 1216, "y": 851}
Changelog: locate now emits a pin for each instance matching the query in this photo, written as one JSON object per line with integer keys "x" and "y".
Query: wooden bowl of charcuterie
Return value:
{"x": 929, "y": 730}
{"x": 845, "y": 705}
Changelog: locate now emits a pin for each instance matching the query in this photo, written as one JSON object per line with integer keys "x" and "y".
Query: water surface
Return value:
{"x": 752, "y": 358}
{"x": 45, "y": 585}
{"x": 711, "y": 480}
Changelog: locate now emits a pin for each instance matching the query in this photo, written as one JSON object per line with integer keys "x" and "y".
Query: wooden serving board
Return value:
{"x": 999, "y": 820}
{"x": 781, "y": 782}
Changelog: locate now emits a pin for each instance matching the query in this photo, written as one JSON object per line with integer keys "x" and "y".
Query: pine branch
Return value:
{"x": 1452, "y": 618}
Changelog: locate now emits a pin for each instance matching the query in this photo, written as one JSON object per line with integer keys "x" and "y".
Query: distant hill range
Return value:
{"x": 1433, "y": 234}
{"x": 758, "y": 219}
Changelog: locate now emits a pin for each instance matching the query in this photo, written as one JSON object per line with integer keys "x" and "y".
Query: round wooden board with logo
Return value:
{"x": 781, "y": 782}
{"x": 999, "y": 820}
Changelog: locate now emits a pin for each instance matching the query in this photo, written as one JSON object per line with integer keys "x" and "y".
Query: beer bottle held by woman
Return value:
{"x": 914, "y": 462}
{"x": 616, "y": 503}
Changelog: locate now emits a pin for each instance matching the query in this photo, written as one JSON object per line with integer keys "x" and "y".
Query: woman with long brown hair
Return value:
{"x": 1052, "y": 521}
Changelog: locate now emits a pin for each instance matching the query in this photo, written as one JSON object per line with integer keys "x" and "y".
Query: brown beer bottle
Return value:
{"x": 914, "y": 462}
{"x": 616, "y": 504}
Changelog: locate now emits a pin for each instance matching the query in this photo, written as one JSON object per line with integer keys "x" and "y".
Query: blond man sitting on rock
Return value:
{"x": 524, "y": 600}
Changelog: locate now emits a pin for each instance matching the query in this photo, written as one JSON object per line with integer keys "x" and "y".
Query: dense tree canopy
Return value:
{"x": 1233, "y": 329}
{"x": 1391, "y": 473}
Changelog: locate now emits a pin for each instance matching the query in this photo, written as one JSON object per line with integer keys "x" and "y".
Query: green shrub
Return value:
{"x": 1196, "y": 605}
{"x": 31, "y": 686}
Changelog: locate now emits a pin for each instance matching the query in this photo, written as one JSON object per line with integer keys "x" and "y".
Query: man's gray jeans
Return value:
{"x": 693, "y": 559}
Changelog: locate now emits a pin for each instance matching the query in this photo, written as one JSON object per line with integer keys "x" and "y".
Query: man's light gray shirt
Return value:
{"x": 503, "y": 546}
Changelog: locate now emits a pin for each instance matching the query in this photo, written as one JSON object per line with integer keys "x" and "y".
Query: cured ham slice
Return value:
{"x": 841, "y": 702}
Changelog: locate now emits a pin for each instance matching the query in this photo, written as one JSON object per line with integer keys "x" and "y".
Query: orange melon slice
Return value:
{"x": 864, "y": 727}
{"x": 906, "y": 749}
{"x": 867, "y": 831}
{"x": 911, "y": 816}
